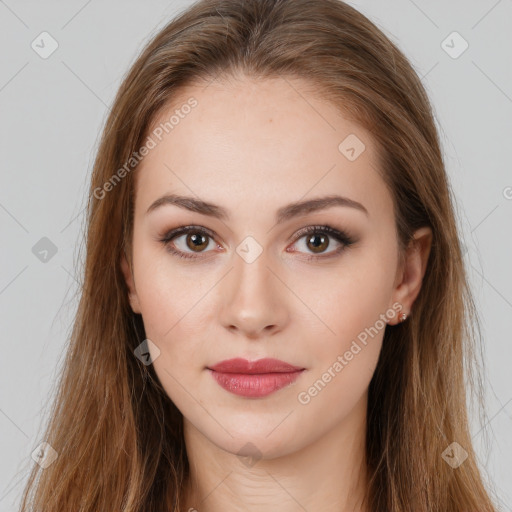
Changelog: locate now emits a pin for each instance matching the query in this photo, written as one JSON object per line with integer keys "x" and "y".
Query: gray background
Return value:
{"x": 52, "y": 111}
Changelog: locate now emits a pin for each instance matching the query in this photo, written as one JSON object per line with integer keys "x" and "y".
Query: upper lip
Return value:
{"x": 266, "y": 365}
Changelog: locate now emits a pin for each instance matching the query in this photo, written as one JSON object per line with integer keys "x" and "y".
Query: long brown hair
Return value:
{"x": 118, "y": 436}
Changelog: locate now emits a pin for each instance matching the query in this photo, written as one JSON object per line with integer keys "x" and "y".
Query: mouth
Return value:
{"x": 254, "y": 379}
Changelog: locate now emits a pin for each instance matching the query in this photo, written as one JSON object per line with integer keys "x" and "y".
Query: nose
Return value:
{"x": 254, "y": 300}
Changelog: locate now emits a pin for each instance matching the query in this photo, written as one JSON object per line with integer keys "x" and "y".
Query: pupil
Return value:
{"x": 323, "y": 244}
{"x": 200, "y": 239}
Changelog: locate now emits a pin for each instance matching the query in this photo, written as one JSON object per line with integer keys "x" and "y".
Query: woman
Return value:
{"x": 274, "y": 309}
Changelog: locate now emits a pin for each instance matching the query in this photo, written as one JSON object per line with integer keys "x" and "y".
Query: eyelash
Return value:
{"x": 340, "y": 236}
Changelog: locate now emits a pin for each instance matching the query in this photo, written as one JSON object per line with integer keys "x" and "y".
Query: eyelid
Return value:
{"x": 172, "y": 234}
{"x": 320, "y": 228}
{"x": 340, "y": 236}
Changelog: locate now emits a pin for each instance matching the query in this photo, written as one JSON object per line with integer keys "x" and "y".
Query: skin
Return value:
{"x": 253, "y": 147}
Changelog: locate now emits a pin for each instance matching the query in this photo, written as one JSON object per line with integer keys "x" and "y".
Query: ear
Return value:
{"x": 130, "y": 282}
{"x": 408, "y": 284}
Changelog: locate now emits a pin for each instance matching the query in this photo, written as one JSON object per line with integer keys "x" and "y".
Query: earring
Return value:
{"x": 402, "y": 317}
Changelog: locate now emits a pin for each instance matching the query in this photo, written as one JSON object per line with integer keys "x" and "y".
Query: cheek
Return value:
{"x": 175, "y": 306}
{"x": 349, "y": 300}
{"x": 166, "y": 291}
{"x": 352, "y": 304}
{"x": 343, "y": 363}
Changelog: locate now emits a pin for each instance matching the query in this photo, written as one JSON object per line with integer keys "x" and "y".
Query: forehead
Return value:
{"x": 246, "y": 141}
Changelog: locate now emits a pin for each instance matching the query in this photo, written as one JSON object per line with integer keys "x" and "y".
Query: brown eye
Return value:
{"x": 193, "y": 241}
{"x": 318, "y": 242}
{"x": 315, "y": 240}
{"x": 188, "y": 241}
{"x": 197, "y": 241}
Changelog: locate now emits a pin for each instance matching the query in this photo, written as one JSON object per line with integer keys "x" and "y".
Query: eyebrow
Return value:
{"x": 283, "y": 214}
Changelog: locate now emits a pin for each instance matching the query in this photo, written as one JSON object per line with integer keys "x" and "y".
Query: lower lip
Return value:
{"x": 254, "y": 385}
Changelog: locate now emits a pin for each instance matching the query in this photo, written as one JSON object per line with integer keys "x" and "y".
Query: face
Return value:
{"x": 255, "y": 277}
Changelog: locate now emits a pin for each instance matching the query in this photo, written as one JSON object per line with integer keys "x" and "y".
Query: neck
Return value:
{"x": 327, "y": 475}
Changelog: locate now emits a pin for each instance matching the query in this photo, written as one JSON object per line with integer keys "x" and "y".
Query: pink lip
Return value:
{"x": 267, "y": 365}
{"x": 254, "y": 378}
